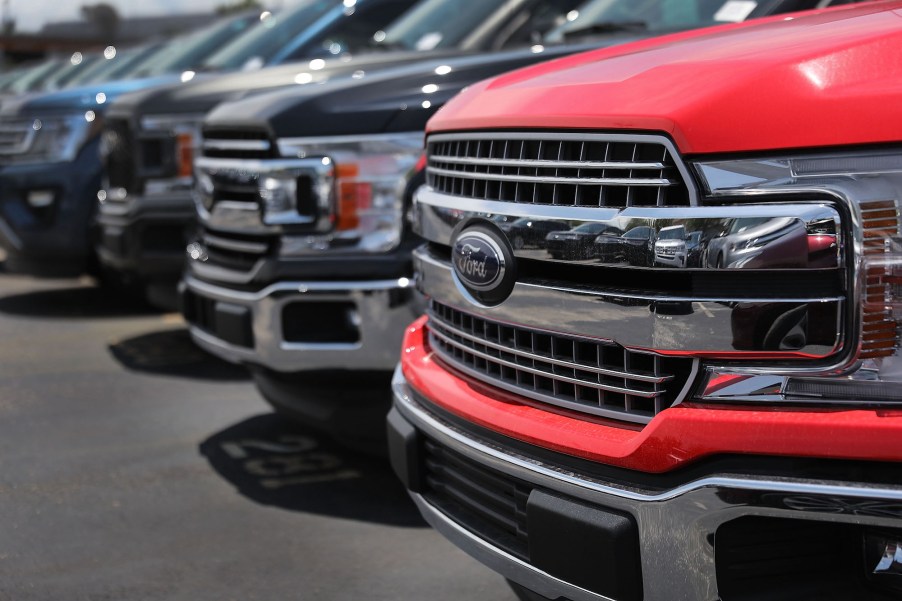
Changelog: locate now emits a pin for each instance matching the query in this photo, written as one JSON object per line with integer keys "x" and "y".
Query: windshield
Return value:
{"x": 259, "y": 45}
{"x": 436, "y": 24}
{"x": 107, "y": 69}
{"x": 31, "y": 76}
{"x": 188, "y": 52}
{"x": 652, "y": 16}
{"x": 72, "y": 68}
{"x": 677, "y": 233}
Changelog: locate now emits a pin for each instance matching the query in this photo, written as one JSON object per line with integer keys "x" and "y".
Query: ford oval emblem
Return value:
{"x": 483, "y": 264}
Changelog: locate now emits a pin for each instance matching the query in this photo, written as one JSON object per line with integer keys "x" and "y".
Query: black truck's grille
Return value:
{"x": 488, "y": 503}
{"x": 237, "y": 253}
{"x": 121, "y": 162}
{"x": 238, "y": 144}
{"x": 556, "y": 169}
{"x": 587, "y": 375}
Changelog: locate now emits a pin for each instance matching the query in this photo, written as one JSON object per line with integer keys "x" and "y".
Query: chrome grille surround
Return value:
{"x": 561, "y": 169}
{"x": 762, "y": 292}
{"x": 16, "y": 135}
{"x": 237, "y": 144}
{"x": 593, "y": 376}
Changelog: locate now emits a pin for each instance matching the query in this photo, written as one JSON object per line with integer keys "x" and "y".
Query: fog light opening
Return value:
{"x": 40, "y": 199}
{"x": 883, "y": 559}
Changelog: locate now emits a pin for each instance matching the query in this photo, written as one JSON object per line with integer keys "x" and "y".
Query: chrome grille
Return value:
{"x": 591, "y": 376}
{"x": 237, "y": 144}
{"x": 16, "y": 136}
{"x": 583, "y": 170}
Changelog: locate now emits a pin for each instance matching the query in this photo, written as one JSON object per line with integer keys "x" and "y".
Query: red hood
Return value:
{"x": 827, "y": 78}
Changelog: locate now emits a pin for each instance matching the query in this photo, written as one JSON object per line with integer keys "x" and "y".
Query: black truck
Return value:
{"x": 146, "y": 206}
{"x": 301, "y": 266}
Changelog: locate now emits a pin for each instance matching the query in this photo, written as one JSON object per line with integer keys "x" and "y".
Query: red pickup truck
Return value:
{"x": 725, "y": 429}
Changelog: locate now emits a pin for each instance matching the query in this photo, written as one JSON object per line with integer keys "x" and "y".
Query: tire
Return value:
{"x": 518, "y": 242}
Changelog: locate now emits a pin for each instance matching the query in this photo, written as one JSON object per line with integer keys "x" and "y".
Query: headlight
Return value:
{"x": 53, "y": 139}
{"x": 867, "y": 189}
{"x": 168, "y": 147}
{"x": 366, "y": 181}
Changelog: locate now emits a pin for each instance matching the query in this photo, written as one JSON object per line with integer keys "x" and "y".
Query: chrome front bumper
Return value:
{"x": 675, "y": 528}
{"x": 381, "y": 311}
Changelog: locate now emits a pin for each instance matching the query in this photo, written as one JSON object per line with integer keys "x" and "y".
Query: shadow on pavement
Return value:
{"x": 76, "y": 301}
{"x": 273, "y": 461}
{"x": 172, "y": 353}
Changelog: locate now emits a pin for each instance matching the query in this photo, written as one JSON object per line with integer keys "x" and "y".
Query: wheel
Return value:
{"x": 518, "y": 242}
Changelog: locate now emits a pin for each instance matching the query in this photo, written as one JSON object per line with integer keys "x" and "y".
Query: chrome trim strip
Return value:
{"x": 497, "y": 177}
{"x": 298, "y": 286}
{"x": 315, "y": 141}
{"x": 216, "y": 144}
{"x": 742, "y": 237}
{"x": 500, "y": 561}
{"x": 255, "y": 166}
{"x": 169, "y": 121}
{"x": 257, "y": 248}
{"x": 476, "y": 207}
{"x": 533, "y": 471}
{"x": 636, "y": 321}
{"x": 551, "y": 360}
{"x": 439, "y": 158}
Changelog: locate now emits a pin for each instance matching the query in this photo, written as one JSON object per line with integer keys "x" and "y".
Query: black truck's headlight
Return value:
{"x": 168, "y": 144}
{"x": 366, "y": 180}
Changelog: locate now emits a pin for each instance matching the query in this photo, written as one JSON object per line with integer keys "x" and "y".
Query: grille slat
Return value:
{"x": 234, "y": 252}
{"x": 557, "y": 377}
{"x": 587, "y": 375}
{"x": 545, "y": 169}
{"x": 483, "y": 340}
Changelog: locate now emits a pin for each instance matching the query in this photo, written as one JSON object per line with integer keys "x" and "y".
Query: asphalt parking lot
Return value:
{"x": 134, "y": 466}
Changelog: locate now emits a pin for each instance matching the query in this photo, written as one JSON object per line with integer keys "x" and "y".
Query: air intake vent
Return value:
{"x": 558, "y": 169}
